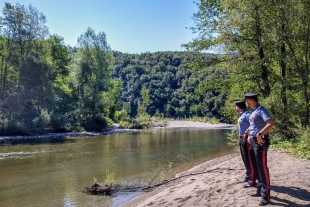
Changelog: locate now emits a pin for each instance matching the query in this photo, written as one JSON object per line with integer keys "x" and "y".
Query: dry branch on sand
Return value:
{"x": 182, "y": 176}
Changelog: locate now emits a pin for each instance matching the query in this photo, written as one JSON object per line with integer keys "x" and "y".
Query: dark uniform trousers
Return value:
{"x": 244, "y": 149}
{"x": 252, "y": 162}
{"x": 261, "y": 170}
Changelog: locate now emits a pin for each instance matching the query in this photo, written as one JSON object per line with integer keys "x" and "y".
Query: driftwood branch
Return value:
{"x": 154, "y": 178}
{"x": 182, "y": 176}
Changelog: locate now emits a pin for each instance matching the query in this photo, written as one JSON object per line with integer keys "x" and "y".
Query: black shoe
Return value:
{"x": 257, "y": 194}
{"x": 264, "y": 202}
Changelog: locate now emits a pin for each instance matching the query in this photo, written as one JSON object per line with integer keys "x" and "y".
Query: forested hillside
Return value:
{"x": 170, "y": 86}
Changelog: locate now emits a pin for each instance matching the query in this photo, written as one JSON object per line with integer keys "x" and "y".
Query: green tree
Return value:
{"x": 295, "y": 34}
{"x": 92, "y": 69}
{"x": 25, "y": 82}
{"x": 145, "y": 95}
{"x": 58, "y": 55}
{"x": 33, "y": 100}
{"x": 24, "y": 29}
{"x": 112, "y": 98}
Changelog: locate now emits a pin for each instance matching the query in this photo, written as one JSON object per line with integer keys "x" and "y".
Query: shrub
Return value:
{"x": 233, "y": 137}
{"x": 42, "y": 122}
{"x": 13, "y": 127}
{"x": 95, "y": 123}
{"x": 302, "y": 146}
{"x": 59, "y": 123}
{"x": 122, "y": 115}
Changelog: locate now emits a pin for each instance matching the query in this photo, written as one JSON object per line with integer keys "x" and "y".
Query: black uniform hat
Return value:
{"x": 250, "y": 95}
{"x": 240, "y": 103}
{"x": 237, "y": 101}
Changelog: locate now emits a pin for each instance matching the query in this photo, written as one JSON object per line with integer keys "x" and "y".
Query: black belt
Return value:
{"x": 265, "y": 136}
{"x": 241, "y": 137}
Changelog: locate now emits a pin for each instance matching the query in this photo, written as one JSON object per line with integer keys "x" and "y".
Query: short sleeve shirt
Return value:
{"x": 258, "y": 119}
{"x": 243, "y": 121}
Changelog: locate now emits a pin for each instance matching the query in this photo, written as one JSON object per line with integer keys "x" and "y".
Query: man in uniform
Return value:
{"x": 243, "y": 125}
{"x": 260, "y": 124}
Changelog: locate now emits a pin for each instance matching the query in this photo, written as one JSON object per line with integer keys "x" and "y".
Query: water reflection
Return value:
{"x": 68, "y": 202}
{"x": 36, "y": 141}
{"x": 55, "y": 172}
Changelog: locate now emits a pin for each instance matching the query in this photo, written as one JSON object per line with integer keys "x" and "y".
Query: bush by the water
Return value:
{"x": 101, "y": 189}
{"x": 96, "y": 123}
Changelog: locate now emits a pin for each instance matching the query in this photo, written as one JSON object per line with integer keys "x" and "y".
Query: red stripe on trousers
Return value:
{"x": 252, "y": 179}
{"x": 264, "y": 156}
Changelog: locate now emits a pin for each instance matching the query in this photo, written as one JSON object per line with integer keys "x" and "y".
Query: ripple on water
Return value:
{"x": 20, "y": 154}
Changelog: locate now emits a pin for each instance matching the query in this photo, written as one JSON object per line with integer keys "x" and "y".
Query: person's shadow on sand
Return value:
{"x": 296, "y": 192}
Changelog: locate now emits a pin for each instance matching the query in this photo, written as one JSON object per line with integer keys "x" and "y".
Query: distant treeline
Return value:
{"x": 170, "y": 86}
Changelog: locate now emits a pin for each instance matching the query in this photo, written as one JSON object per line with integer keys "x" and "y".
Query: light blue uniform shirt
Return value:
{"x": 258, "y": 119}
{"x": 243, "y": 121}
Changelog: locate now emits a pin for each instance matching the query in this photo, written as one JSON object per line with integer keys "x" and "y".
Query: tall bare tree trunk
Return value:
{"x": 1, "y": 73}
{"x": 282, "y": 63}
{"x": 306, "y": 76}
{"x": 264, "y": 72}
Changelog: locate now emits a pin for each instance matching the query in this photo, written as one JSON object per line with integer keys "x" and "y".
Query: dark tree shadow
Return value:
{"x": 299, "y": 193}
{"x": 37, "y": 141}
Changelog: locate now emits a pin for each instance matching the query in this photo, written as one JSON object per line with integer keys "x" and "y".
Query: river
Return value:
{"x": 54, "y": 172}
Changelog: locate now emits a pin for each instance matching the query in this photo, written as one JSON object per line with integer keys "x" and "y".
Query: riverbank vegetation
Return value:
{"x": 257, "y": 46}
{"x": 106, "y": 188}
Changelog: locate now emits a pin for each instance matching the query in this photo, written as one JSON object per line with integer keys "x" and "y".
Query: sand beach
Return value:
{"x": 216, "y": 183}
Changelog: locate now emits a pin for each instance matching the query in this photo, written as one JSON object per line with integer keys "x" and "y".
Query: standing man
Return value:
{"x": 243, "y": 125}
{"x": 260, "y": 124}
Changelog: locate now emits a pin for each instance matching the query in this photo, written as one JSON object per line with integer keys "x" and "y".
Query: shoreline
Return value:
{"x": 216, "y": 183}
{"x": 114, "y": 129}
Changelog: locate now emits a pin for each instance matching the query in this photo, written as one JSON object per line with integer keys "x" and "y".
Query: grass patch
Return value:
{"x": 300, "y": 147}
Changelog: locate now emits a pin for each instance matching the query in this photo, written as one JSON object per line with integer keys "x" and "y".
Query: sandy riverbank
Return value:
{"x": 290, "y": 184}
{"x": 195, "y": 124}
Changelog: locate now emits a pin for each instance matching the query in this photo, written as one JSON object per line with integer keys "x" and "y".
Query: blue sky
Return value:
{"x": 131, "y": 26}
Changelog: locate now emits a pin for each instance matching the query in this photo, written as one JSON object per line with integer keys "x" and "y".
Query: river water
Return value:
{"x": 54, "y": 172}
